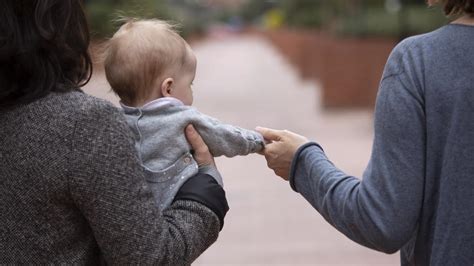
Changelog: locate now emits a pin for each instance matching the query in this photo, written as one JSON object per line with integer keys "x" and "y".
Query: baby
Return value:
{"x": 151, "y": 68}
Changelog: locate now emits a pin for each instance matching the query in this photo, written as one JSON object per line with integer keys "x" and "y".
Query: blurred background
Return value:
{"x": 320, "y": 38}
{"x": 388, "y": 18}
{"x": 310, "y": 66}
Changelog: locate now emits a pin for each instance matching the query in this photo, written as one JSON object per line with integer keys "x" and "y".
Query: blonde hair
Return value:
{"x": 138, "y": 56}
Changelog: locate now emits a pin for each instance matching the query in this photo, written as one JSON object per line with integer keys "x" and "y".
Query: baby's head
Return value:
{"x": 146, "y": 60}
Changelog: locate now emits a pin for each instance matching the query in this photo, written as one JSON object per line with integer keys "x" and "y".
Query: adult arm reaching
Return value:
{"x": 381, "y": 210}
{"x": 280, "y": 149}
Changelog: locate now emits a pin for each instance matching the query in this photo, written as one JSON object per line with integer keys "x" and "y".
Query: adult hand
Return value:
{"x": 280, "y": 151}
{"x": 202, "y": 155}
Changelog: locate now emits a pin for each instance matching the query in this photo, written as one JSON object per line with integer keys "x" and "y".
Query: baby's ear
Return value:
{"x": 166, "y": 87}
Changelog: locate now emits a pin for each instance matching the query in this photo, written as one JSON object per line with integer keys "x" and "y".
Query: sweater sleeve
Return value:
{"x": 109, "y": 188}
{"x": 382, "y": 210}
{"x": 227, "y": 140}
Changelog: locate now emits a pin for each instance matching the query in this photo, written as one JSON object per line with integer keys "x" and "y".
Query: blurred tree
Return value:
{"x": 305, "y": 13}
{"x": 192, "y": 16}
{"x": 253, "y": 10}
{"x": 103, "y": 14}
{"x": 273, "y": 18}
{"x": 393, "y": 18}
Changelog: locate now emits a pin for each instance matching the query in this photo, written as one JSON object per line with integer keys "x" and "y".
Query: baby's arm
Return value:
{"x": 227, "y": 140}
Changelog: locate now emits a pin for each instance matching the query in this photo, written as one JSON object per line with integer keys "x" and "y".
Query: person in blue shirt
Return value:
{"x": 417, "y": 192}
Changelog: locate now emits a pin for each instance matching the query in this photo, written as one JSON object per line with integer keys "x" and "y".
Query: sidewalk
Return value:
{"x": 244, "y": 81}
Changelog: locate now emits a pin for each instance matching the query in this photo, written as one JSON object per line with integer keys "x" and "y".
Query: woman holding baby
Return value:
{"x": 72, "y": 189}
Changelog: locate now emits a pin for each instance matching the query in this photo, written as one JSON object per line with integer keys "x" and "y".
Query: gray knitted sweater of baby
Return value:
{"x": 72, "y": 190}
{"x": 158, "y": 129}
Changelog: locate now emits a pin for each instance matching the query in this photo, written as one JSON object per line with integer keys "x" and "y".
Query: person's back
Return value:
{"x": 72, "y": 190}
{"x": 439, "y": 67}
{"x": 417, "y": 191}
{"x": 40, "y": 163}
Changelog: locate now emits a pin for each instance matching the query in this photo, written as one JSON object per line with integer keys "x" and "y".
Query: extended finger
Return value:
{"x": 201, "y": 151}
{"x": 195, "y": 140}
{"x": 269, "y": 134}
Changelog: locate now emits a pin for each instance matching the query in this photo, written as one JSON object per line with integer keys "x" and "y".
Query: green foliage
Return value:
{"x": 410, "y": 20}
{"x": 421, "y": 19}
{"x": 303, "y": 13}
{"x": 370, "y": 22}
{"x": 190, "y": 15}
{"x": 103, "y": 14}
{"x": 252, "y": 10}
{"x": 356, "y": 17}
{"x": 100, "y": 19}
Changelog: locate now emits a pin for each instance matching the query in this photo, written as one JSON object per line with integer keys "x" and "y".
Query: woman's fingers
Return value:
{"x": 201, "y": 151}
{"x": 275, "y": 159}
{"x": 281, "y": 151}
{"x": 195, "y": 139}
{"x": 270, "y": 134}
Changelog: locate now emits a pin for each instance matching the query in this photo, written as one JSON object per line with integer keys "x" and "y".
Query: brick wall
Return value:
{"x": 349, "y": 69}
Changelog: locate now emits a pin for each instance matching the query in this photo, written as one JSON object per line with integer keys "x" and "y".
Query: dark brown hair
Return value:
{"x": 43, "y": 48}
{"x": 457, "y": 7}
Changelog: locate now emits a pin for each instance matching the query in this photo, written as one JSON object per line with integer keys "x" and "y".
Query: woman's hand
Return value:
{"x": 280, "y": 151}
{"x": 201, "y": 152}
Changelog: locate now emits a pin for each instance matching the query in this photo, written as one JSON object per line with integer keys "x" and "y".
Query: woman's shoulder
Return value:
{"x": 427, "y": 43}
{"x": 91, "y": 117}
{"x": 81, "y": 108}
{"x": 78, "y": 103}
{"x": 408, "y": 46}
{"x": 412, "y": 53}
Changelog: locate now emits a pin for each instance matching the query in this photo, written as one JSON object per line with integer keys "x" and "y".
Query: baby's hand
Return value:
{"x": 280, "y": 152}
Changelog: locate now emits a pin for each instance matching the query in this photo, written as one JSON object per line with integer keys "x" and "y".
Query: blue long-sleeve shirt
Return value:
{"x": 417, "y": 192}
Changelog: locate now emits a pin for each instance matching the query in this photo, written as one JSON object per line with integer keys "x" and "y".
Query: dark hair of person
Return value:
{"x": 457, "y": 7}
{"x": 43, "y": 48}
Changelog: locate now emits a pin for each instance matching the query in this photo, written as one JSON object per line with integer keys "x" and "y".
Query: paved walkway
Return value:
{"x": 244, "y": 81}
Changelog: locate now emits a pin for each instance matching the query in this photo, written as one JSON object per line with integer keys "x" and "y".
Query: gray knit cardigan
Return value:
{"x": 72, "y": 191}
